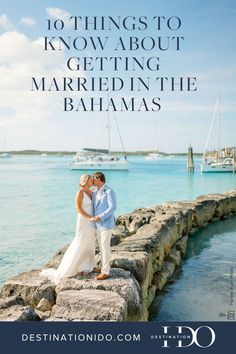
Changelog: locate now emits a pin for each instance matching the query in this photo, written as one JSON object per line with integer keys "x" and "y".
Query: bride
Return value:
{"x": 79, "y": 256}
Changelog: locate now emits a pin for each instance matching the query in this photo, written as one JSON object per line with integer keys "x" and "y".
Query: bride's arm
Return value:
{"x": 78, "y": 204}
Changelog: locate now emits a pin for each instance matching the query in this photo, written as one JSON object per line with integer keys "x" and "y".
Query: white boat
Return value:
{"x": 100, "y": 159}
{"x": 169, "y": 156}
{"x": 5, "y": 155}
{"x": 154, "y": 156}
{"x": 44, "y": 154}
{"x": 224, "y": 166}
{"x": 221, "y": 160}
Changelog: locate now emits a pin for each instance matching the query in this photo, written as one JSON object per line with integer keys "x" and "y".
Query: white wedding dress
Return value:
{"x": 80, "y": 255}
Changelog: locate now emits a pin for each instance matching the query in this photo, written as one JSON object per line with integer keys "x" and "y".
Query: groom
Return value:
{"x": 104, "y": 204}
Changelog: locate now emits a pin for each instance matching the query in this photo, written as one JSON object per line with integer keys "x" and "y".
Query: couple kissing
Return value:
{"x": 95, "y": 220}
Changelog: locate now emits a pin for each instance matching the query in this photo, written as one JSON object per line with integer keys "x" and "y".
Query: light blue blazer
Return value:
{"x": 104, "y": 208}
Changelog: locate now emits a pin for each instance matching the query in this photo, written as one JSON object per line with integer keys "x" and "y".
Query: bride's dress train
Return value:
{"x": 79, "y": 256}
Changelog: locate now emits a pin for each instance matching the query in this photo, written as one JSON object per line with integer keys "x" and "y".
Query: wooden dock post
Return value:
{"x": 234, "y": 162}
{"x": 190, "y": 163}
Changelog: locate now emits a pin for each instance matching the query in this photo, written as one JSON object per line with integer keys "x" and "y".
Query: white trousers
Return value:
{"x": 104, "y": 242}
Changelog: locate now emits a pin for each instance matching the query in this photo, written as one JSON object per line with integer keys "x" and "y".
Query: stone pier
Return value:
{"x": 147, "y": 246}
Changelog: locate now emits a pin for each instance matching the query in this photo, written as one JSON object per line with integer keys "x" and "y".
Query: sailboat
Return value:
{"x": 5, "y": 155}
{"x": 155, "y": 155}
{"x": 100, "y": 159}
{"x": 222, "y": 159}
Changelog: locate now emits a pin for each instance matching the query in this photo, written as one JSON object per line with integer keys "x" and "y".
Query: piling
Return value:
{"x": 234, "y": 162}
{"x": 190, "y": 163}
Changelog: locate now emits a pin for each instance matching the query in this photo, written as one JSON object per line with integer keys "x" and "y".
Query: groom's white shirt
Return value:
{"x": 99, "y": 195}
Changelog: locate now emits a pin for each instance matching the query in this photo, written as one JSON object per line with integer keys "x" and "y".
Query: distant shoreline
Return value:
{"x": 69, "y": 153}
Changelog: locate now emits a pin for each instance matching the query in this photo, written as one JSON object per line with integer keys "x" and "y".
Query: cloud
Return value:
{"x": 61, "y": 14}
{"x": 21, "y": 60}
{"x": 5, "y": 23}
{"x": 28, "y": 21}
{"x": 195, "y": 107}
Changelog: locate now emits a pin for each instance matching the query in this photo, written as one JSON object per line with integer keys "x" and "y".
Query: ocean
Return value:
{"x": 37, "y": 214}
{"x": 203, "y": 288}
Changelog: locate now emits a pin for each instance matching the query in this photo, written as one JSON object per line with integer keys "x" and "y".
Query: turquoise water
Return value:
{"x": 204, "y": 288}
{"x": 37, "y": 213}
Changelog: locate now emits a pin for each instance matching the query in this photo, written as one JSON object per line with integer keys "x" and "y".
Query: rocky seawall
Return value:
{"x": 147, "y": 246}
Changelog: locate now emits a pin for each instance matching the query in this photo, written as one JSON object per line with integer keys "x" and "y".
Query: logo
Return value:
{"x": 185, "y": 336}
{"x": 231, "y": 315}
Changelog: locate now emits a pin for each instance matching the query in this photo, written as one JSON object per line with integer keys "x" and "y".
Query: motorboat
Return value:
{"x": 154, "y": 156}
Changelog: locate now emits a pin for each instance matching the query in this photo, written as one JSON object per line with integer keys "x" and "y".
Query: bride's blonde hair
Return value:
{"x": 83, "y": 180}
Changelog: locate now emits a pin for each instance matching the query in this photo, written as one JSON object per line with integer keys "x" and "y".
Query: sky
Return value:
{"x": 36, "y": 120}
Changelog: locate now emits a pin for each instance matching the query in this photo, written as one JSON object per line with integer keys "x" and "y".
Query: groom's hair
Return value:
{"x": 101, "y": 176}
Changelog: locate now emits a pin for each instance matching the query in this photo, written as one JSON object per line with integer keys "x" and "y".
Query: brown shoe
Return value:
{"x": 103, "y": 276}
{"x": 97, "y": 270}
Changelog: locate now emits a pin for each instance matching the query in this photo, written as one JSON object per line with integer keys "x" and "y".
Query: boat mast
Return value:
{"x": 119, "y": 133}
{"x": 157, "y": 137}
{"x": 213, "y": 121}
{"x": 219, "y": 152}
{"x": 4, "y": 143}
{"x": 108, "y": 126}
{"x": 108, "y": 132}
